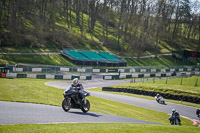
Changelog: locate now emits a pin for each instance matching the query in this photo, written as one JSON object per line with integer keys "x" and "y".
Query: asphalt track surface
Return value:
{"x": 28, "y": 113}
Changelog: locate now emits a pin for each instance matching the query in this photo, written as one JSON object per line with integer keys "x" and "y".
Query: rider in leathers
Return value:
{"x": 174, "y": 115}
{"x": 77, "y": 87}
{"x": 158, "y": 97}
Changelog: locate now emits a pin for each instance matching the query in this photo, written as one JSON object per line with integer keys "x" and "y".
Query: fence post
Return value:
{"x": 166, "y": 81}
{"x": 181, "y": 80}
{"x": 196, "y": 82}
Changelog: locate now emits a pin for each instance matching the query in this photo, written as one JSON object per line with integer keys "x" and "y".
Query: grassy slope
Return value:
{"x": 72, "y": 37}
{"x": 51, "y": 47}
{"x": 173, "y": 86}
{"x": 162, "y": 61}
{"x": 35, "y": 59}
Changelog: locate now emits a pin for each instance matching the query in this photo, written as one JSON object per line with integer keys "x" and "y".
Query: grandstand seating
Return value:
{"x": 109, "y": 57}
{"x": 76, "y": 55}
{"x": 92, "y": 58}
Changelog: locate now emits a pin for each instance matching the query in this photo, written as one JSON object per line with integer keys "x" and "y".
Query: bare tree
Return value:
{"x": 93, "y": 13}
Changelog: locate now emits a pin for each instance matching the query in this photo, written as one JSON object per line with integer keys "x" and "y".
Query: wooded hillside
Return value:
{"x": 130, "y": 27}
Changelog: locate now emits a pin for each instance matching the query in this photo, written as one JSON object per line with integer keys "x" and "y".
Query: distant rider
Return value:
{"x": 175, "y": 116}
{"x": 76, "y": 87}
{"x": 198, "y": 113}
{"x": 158, "y": 97}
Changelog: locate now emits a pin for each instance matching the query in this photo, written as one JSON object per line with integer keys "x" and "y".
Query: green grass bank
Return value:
{"x": 96, "y": 128}
{"x": 189, "y": 86}
{"x": 161, "y": 61}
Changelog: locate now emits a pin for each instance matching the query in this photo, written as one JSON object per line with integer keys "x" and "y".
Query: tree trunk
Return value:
{"x": 120, "y": 20}
{"x": 77, "y": 9}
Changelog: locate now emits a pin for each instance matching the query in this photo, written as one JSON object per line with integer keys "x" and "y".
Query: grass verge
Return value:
{"x": 96, "y": 128}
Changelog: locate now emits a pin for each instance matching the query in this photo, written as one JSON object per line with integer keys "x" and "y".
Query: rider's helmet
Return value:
{"x": 75, "y": 82}
{"x": 173, "y": 110}
{"x": 158, "y": 94}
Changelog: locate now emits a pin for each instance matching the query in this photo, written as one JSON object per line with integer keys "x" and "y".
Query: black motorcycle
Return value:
{"x": 72, "y": 99}
{"x": 174, "y": 120}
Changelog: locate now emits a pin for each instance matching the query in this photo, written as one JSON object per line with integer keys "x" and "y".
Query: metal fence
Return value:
{"x": 60, "y": 69}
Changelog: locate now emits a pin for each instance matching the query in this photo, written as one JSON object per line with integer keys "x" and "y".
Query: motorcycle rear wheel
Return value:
{"x": 66, "y": 105}
{"x": 85, "y": 106}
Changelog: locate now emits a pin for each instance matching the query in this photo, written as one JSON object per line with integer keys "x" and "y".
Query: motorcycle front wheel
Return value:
{"x": 66, "y": 105}
{"x": 85, "y": 106}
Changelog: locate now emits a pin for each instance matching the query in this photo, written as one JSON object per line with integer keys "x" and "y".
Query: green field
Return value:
{"x": 97, "y": 128}
{"x": 35, "y": 91}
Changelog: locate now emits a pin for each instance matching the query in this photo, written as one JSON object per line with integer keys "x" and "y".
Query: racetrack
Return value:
{"x": 29, "y": 113}
{"x": 20, "y": 113}
{"x": 186, "y": 111}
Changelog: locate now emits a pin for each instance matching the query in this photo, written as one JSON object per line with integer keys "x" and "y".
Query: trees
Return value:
{"x": 93, "y": 12}
{"x": 137, "y": 25}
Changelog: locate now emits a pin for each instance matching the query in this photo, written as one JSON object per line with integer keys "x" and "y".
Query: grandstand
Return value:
{"x": 92, "y": 58}
{"x": 109, "y": 57}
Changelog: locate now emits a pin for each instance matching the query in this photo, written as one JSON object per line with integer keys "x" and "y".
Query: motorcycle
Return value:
{"x": 198, "y": 113}
{"x": 160, "y": 100}
{"x": 174, "y": 121}
{"x": 72, "y": 100}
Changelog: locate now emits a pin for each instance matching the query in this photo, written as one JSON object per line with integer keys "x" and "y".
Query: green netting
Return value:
{"x": 76, "y": 55}
{"x": 93, "y": 56}
{"x": 110, "y": 57}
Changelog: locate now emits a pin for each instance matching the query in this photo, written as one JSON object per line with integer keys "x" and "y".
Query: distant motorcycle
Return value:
{"x": 72, "y": 100}
{"x": 198, "y": 113}
{"x": 160, "y": 100}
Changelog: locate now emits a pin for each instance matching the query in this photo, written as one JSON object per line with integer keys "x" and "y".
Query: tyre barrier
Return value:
{"x": 152, "y": 93}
